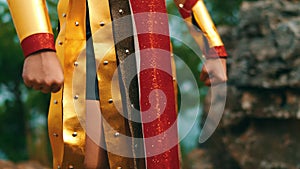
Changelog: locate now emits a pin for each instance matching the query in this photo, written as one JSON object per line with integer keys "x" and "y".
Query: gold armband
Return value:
{"x": 206, "y": 24}
{"x": 30, "y": 17}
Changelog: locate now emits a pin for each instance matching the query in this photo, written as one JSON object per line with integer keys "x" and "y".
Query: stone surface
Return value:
{"x": 198, "y": 159}
{"x": 266, "y": 50}
{"x": 260, "y": 124}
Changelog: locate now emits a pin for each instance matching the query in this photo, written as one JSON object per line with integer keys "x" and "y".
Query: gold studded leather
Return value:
{"x": 69, "y": 150}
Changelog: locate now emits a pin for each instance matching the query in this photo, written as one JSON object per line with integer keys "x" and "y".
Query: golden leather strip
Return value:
{"x": 74, "y": 94}
{"x": 62, "y": 9}
{"x": 74, "y": 105}
{"x": 113, "y": 121}
{"x": 30, "y": 17}
{"x": 206, "y": 24}
{"x": 55, "y": 115}
{"x": 99, "y": 14}
{"x": 55, "y": 128}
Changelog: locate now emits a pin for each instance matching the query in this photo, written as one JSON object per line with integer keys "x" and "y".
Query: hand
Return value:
{"x": 214, "y": 72}
{"x": 42, "y": 71}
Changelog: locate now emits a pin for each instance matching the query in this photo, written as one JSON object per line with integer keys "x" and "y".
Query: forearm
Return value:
{"x": 195, "y": 14}
{"x": 32, "y": 24}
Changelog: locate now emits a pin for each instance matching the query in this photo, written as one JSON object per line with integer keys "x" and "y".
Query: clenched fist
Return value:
{"x": 42, "y": 71}
{"x": 214, "y": 72}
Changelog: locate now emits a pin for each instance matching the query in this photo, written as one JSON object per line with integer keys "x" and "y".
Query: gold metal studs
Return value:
{"x": 117, "y": 134}
{"x": 121, "y": 12}
{"x": 74, "y": 134}
{"x": 102, "y": 23}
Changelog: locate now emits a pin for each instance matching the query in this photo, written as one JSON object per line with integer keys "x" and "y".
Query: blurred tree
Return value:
{"x": 12, "y": 115}
{"x": 225, "y": 12}
{"x": 23, "y": 111}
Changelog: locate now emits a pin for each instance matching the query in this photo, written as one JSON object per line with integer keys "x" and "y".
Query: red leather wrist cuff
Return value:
{"x": 216, "y": 52}
{"x": 37, "y": 42}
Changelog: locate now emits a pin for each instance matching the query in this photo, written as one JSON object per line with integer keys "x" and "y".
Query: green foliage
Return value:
{"x": 225, "y": 12}
{"x": 12, "y": 122}
{"x": 17, "y": 103}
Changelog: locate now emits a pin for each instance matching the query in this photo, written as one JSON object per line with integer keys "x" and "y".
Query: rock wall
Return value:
{"x": 261, "y": 124}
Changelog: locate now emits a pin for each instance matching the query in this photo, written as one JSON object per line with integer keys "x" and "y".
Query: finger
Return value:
{"x": 220, "y": 77}
{"x": 215, "y": 81}
{"x": 45, "y": 89}
{"x": 211, "y": 81}
{"x": 37, "y": 87}
{"x": 55, "y": 88}
{"x": 28, "y": 83}
{"x": 204, "y": 74}
{"x": 207, "y": 82}
{"x": 42, "y": 88}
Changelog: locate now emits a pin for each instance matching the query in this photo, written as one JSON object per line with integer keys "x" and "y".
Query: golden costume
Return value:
{"x": 68, "y": 107}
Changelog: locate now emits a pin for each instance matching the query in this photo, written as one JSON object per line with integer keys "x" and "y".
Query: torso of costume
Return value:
{"x": 149, "y": 130}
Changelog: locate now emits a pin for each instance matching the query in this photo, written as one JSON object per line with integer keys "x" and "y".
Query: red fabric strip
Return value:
{"x": 37, "y": 42}
{"x": 158, "y": 110}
